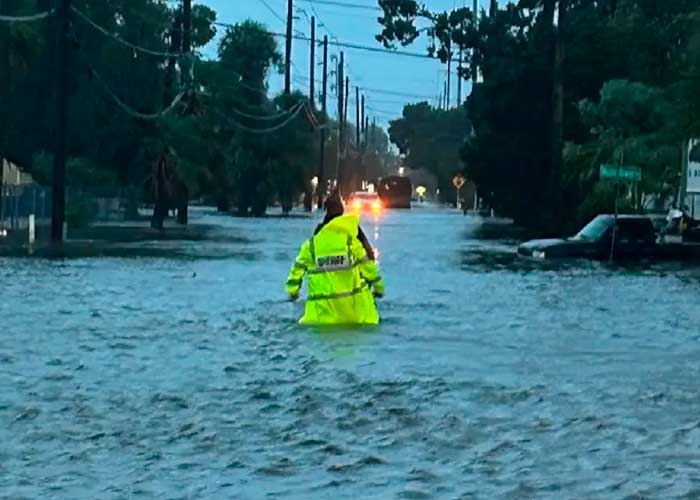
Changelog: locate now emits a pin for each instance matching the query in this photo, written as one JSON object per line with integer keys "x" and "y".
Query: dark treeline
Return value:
{"x": 158, "y": 124}
{"x": 563, "y": 86}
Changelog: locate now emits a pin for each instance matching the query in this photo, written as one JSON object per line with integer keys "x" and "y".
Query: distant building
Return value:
{"x": 12, "y": 175}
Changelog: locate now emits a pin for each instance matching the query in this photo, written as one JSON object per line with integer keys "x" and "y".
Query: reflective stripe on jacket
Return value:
{"x": 340, "y": 276}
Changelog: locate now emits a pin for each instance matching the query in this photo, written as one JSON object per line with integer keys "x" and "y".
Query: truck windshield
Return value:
{"x": 595, "y": 229}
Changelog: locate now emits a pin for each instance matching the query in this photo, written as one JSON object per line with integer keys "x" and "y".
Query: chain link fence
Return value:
{"x": 83, "y": 207}
{"x": 18, "y": 202}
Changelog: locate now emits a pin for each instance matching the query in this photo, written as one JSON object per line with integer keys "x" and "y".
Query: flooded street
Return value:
{"x": 489, "y": 377}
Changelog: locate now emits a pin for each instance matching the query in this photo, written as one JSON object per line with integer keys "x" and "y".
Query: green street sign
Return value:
{"x": 622, "y": 172}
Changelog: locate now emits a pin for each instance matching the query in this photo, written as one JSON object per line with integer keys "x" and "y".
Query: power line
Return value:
{"x": 332, "y": 36}
{"x": 396, "y": 93}
{"x": 273, "y": 11}
{"x": 239, "y": 102}
{"x": 349, "y": 45}
{"x": 304, "y": 77}
{"x": 383, "y": 111}
{"x": 297, "y": 111}
{"x": 121, "y": 104}
{"x": 345, "y": 4}
{"x": 367, "y": 48}
{"x": 257, "y": 90}
{"x": 128, "y": 109}
{"x": 26, "y": 19}
{"x": 355, "y": 46}
{"x": 250, "y": 116}
{"x": 388, "y": 101}
{"x": 385, "y": 114}
{"x": 132, "y": 46}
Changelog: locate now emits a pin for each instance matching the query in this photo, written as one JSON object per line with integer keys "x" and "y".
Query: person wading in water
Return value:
{"x": 343, "y": 276}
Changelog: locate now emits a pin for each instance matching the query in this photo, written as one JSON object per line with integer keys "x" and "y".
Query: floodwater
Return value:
{"x": 490, "y": 377}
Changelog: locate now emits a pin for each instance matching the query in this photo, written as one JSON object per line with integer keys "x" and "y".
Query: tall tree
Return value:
{"x": 431, "y": 139}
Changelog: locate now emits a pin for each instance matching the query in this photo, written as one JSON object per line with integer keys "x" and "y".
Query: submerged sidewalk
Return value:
{"x": 121, "y": 239}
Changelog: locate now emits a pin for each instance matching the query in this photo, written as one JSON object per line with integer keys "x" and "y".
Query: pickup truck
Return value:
{"x": 635, "y": 238}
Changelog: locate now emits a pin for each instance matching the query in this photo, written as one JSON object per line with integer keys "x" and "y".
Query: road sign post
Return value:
{"x": 458, "y": 181}
{"x": 618, "y": 173}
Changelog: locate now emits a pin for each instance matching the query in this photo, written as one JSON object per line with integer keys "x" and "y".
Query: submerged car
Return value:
{"x": 635, "y": 238}
{"x": 364, "y": 202}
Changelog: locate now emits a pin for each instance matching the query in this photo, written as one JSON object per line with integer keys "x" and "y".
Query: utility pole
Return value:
{"x": 324, "y": 98}
{"x": 312, "y": 67}
{"x": 182, "y": 202}
{"x": 340, "y": 75}
{"x": 366, "y": 131}
{"x": 186, "y": 26}
{"x": 347, "y": 99}
{"x": 475, "y": 69}
{"x": 365, "y": 169}
{"x": 558, "y": 105}
{"x": 444, "y": 104}
{"x": 58, "y": 198}
{"x": 357, "y": 165}
{"x": 449, "y": 75}
{"x": 4, "y": 91}
{"x": 459, "y": 79}
{"x": 345, "y": 141}
{"x": 358, "y": 125}
{"x": 374, "y": 133}
{"x": 362, "y": 121}
{"x": 288, "y": 49}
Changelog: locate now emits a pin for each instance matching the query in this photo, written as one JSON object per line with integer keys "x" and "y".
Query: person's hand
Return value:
{"x": 378, "y": 295}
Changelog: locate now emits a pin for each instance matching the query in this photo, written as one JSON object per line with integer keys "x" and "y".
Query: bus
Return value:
{"x": 395, "y": 192}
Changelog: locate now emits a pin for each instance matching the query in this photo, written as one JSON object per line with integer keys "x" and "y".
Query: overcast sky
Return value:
{"x": 373, "y": 72}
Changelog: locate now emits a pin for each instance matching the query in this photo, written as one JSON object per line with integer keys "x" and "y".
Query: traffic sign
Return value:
{"x": 458, "y": 181}
{"x": 620, "y": 172}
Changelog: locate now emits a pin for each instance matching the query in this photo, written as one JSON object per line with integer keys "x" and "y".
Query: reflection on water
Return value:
{"x": 340, "y": 343}
{"x": 489, "y": 377}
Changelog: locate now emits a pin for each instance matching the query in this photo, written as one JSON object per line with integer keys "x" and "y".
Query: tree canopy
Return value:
{"x": 146, "y": 117}
{"x": 431, "y": 139}
{"x": 563, "y": 86}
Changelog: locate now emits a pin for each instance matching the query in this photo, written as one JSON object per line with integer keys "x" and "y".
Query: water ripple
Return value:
{"x": 489, "y": 378}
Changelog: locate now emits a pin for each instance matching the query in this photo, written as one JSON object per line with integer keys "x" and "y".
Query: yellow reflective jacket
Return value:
{"x": 340, "y": 274}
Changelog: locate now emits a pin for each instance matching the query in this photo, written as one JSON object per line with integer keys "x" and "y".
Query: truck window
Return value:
{"x": 636, "y": 230}
{"x": 596, "y": 229}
